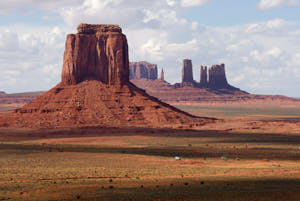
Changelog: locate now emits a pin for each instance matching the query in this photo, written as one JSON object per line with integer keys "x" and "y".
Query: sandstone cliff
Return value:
{"x": 142, "y": 69}
{"x": 217, "y": 77}
{"x": 203, "y": 77}
{"x": 96, "y": 52}
{"x": 187, "y": 71}
{"x": 95, "y": 90}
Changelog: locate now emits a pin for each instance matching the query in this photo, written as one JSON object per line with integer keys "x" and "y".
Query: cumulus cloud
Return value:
{"x": 269, "y": 4}
{"x": 274, "y": 26}
{"x": 259, "y": 56}
{"x": 192, "y": 3}
{"x": 30, "y": 57}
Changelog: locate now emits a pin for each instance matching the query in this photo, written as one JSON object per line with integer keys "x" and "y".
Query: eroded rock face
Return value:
{"x": 142, "y": 69}
{"x": 95, "y": 66}
{"x": 217, "y": 77}
{"x": 187, "y": 71}
{"x": 96, "y": 52}
{"x": 203, "y": 76}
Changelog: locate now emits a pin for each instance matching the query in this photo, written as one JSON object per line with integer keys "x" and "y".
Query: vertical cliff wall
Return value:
{"x": 96, "y": 52}
{"x": 187, "y": 71}
{"x": 217, "y": 77}
{"x": 142, "y": 69}
{"x": 203, "y": 76}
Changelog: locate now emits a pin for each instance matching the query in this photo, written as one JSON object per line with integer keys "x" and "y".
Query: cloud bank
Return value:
{"x": 260, "y": 57}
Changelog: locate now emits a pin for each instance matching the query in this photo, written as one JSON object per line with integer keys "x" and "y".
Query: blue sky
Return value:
{"x": 258, "y": 40}
{"x": 237, "y": 12}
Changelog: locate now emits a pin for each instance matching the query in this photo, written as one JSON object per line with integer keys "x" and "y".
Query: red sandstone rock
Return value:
{"x": 97, "y": 52}
{"x": 162, "y": 75}
{"x": 142, "y": 69}
{"x": 187, "y": 71}
{"x": 217, "y": 77}
{"x": 95, "y": 66}
{"x": 203, "y": 76}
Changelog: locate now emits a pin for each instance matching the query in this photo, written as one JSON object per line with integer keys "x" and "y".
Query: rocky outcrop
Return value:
{"x": 217, "y": 77}
{"x": 142, "y": 69}
{"x": 162, "y": 75}
{"x": 95, "y": 90}
{"x": 203, "y": 76}
{"x": 2, "y": 93}
{"x": 187, "y": 71}
{"x": 96, "y": 52}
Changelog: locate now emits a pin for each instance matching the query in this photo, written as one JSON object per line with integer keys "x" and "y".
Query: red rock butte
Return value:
{"x": 95, "y": 90}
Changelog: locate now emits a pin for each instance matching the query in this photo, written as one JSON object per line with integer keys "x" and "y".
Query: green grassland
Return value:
{"x": 251, "y": 111}
{"x": 139, "y": 164}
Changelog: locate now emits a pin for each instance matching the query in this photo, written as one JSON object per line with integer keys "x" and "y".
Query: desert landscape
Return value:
{"x": 97, "y": 136}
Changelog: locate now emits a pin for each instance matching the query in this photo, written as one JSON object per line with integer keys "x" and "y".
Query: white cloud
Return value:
{"x": 29, "y": 56}
{"x": 274, "y": 52}
{"x": 269, "y": 4}
{"x": 192, "y": 3}
{"x": 274, "y": 26}
{"x": 259, "y": 57}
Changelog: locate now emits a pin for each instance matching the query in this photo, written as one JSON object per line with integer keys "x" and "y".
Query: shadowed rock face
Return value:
{"x": 2, "y": 93}
{"x": 203, "y": 76}
{"x": 142, "y": 69}
{"x": 187, "y": 71}
{"x": 217, "y": 77}
{"x": 162, "y": 75}
{"x": 96, "y": 52}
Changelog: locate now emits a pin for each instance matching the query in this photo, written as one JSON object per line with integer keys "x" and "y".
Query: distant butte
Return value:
{"x": 142, "y": 69}
{"x": 95, "y": 89}
{"x": 212, "y": 88}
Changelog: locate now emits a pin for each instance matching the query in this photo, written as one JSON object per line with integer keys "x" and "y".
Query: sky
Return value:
{"x": 258, "y": 40}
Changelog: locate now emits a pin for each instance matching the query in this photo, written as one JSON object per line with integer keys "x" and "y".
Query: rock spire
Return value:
{"x": 187, "y": 71}
{"x": 162, "y": 75}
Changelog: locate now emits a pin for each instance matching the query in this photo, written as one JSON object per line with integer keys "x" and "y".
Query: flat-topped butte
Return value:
{"x": 95, "y": 28}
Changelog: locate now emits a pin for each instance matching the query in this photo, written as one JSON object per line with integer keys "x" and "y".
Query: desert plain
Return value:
{"x": 248, "y": 153}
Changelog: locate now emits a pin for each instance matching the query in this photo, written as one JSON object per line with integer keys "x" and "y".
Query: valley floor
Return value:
{"x": 237, "y": 158}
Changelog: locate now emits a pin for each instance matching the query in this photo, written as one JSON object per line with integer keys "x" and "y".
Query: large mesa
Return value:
{"x": 97, "y": 52}
{"x": 95, "y": 89}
